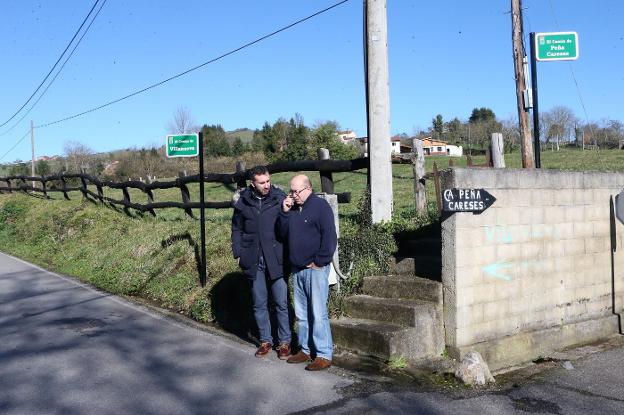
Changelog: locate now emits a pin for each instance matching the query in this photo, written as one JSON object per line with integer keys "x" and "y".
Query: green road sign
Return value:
{"x": 182, "y": 145}
{"x": 556, "y": 46}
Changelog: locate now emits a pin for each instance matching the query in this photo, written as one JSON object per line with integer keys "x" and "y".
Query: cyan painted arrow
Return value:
{"x": 495, "y": 270}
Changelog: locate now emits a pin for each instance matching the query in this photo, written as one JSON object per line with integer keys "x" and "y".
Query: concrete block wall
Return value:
{"x": 532, "y": 273}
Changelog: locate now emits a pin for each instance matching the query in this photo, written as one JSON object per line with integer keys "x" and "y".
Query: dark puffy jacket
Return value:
{"x": 254, "y": 232}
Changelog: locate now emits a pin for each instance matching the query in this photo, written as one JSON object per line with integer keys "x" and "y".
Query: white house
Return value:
{"x": 347, "y": 137}
{"x": 395, "y": 143}
{"x": 440, "y": 148}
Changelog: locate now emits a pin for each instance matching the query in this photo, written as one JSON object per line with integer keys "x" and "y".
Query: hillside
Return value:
{"x": 245, "y": 134}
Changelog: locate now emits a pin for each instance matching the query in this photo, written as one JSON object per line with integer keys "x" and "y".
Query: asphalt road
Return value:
{"x": 66, "y": 348}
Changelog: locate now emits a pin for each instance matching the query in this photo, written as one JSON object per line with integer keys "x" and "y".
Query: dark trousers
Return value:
{"x": 260, "y": 288}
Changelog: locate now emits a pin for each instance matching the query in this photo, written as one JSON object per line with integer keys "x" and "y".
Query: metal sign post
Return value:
{"x": 202, "y": 218}
{"x": 192, "y": 145}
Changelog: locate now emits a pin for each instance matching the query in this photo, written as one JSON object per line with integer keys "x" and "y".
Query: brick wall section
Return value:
{"x": 539, "y": 257}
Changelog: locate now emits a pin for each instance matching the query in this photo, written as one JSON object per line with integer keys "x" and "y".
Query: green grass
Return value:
{"x": 155, "y": 258}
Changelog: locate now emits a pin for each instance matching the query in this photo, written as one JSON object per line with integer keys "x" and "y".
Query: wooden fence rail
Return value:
{"x": 59, "y": 183}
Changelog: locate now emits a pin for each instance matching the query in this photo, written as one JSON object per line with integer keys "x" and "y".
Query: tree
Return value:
{"x": 482, "y": 124}
{"x": 557, "y": 124}
{"x": 182, "y": 122}
{"x": 238, "y": 147}
{"x": 216, "y": 144}
{"x": 19, "y": 169}
{"x": 296, "y": 140}
{"x": 482, "y": 114}
{"x": 510, "y": 128}
{"x": 325, "y": 135}
{"x": 455, "y": 131}
{"x": 438, "y": 126}
{"x": 77, "y": 155}
{"x": 42, "y": 167}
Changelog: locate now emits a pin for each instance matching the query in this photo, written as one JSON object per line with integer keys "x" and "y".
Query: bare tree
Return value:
{"x": 182, "y": 122}
{"x": 559, "y": 123}
{"x": 78, "y": 156}
{"x": 511, "y": 131}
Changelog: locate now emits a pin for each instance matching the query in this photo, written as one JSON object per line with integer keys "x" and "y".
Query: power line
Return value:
{"x": 15, "y": 145}
{"x": 246, "y": 45}
{"x": 58, "y": 72}
{"x": 53, "y": 67}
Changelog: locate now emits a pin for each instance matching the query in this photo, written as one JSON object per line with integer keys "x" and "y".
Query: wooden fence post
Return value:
{"x": 418, "y": 160}
{"x": 43, "y": 187}
{"x": 186, "y": 195}
{"x": 83, "y": 188}
{"x": 241, "y": 181}
{"x": 327, "y": 181}
{"x": 64, "y": 183}
{"x": 498, "y": 156}
{"x": 150, "y": 200}
{"x": 469, "y": 160}
{"x": 436, "y": 180}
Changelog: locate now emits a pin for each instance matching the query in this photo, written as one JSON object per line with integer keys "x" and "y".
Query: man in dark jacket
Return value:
{"x": 260, "y": 255}
{"x": 308, "y": 222}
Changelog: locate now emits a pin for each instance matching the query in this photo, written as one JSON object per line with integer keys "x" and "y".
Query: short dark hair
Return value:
{"x": 257, "y": 171}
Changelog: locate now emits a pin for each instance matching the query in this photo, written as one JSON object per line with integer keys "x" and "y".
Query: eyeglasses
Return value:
{"x": 297, "y": 192}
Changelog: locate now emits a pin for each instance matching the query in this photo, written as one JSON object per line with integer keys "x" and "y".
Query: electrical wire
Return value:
{"x": 231, "y": 52}
{"x": 57, "y": 73}
{"x": 53, "y": 67}
{"x": 15, "y": 145}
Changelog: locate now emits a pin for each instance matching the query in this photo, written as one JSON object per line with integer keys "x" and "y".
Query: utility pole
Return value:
{"x": 32, "y": 146}
{"x": 378, "y": 110}
{"x": 523, "y": 95}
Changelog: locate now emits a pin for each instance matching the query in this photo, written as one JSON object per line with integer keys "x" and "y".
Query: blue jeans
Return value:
{"x": 311, "y": 291}
{"x": 279, "y": 294}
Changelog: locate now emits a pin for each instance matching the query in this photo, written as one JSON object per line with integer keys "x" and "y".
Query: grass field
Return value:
{"x": 156, "y": 258}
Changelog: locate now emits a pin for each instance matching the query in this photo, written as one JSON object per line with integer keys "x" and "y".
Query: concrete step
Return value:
{"x": 406, "y": 312}
{"x": 421, "y": 246}
{"x": 423, "y": 266}
{"x": 403, "y": 286}
{"x": 384, "y": 340}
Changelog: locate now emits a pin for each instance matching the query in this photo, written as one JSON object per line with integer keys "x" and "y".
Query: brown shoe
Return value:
{"x": 283, "y": 351}
{"x": 319, "y": 363}
{"x": 299, "y": 358}
{"x": 264, "y": 349}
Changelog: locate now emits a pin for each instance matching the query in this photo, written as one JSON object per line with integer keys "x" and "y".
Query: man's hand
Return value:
{"x": 313, "y": 266}
{"x": 287, "y": 203}
{"x": 237, "y": 260}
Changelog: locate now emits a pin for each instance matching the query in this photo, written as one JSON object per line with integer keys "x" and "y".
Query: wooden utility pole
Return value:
{"x": 32, "y": 146}
{"x": 378, "y": 110}
{"x": 522, "y": 92}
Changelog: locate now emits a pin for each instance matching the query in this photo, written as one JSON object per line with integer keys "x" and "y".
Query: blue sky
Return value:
{"x": 445, "y": 57}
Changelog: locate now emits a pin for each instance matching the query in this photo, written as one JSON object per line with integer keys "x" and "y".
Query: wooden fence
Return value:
{"x": 65, "y": 183}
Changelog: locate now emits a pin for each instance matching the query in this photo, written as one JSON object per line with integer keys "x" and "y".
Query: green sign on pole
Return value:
{"x": 556, "y": 46}
{"x": 182, "y": 145}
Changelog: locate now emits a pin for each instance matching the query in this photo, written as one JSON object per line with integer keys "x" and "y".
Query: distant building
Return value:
{"x": 395, "y": 143}
{"x": 441, "y": 148}
{"x": 347, "y": 137}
